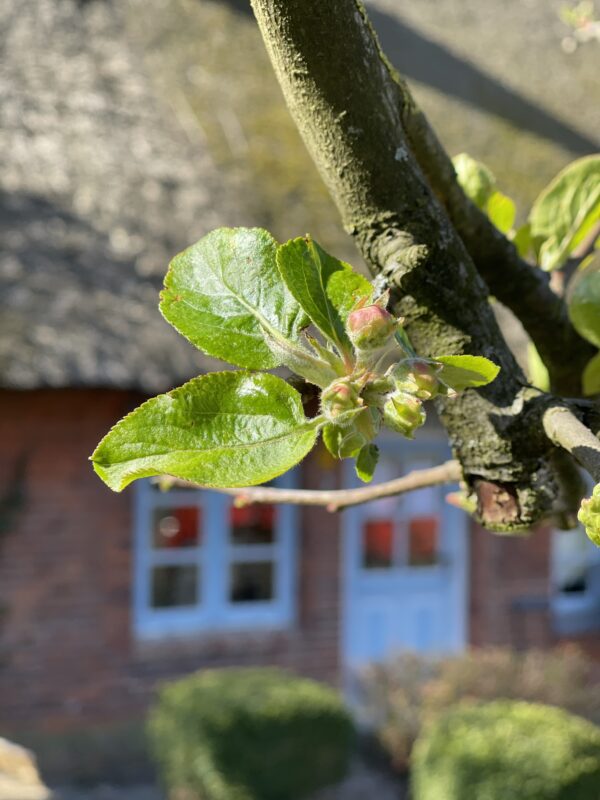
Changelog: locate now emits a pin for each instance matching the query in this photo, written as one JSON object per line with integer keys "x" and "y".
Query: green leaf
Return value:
{"x": 565, "y": 211}
{"x": 326, "y": 288}
{"x": 222, "y": 429}
{"x": 366, "y": 461}
{"x": 583, "y": 300}
{"x": 225, "y": 290}
{"x": 537, "y": 371}
{"x": 502, "y": 211}
{"x": 462, "y": 372}
{"x": 522, "y": 240}
{"x": 591, "y": 376}
{"x": 476, "y": 180}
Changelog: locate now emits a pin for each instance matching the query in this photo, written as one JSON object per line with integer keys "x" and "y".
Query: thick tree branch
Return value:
{"x": 525, "y": 290}
{"x": 566, "y": 431}
{"x": 350, "y": 113}
{"x": 338, "y": 499}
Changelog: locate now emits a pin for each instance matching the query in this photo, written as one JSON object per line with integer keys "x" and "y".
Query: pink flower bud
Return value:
{"x": 338, "y": 398}
{"x": 371, "y": 327}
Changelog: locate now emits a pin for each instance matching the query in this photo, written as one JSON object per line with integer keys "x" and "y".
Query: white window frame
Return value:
{"x": 214, "y": 611}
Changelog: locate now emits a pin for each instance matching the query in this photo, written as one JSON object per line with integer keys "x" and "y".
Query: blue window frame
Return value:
{"x": 575, "y": 602}
{"x": 200, "y": 564}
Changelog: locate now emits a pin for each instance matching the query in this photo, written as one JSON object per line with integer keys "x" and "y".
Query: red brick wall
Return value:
{"x": 67, "y": 655}
{"x": 509, "y": 586}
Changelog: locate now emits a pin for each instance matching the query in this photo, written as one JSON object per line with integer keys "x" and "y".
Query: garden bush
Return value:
{"x": 401, "y": 694}
{"x": 249, "y": 734}
{"x": 507, "y": 749}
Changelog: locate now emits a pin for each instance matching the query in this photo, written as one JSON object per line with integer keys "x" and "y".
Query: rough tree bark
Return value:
{"x": 352, "y": 112}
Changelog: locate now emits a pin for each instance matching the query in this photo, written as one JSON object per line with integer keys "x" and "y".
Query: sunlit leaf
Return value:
{"x": 462, "y": 372}
{"x": 566, "y": 211}
{"x": 325, "y": 288}
{"x": 476, "y": 180}
{"x": 583, "y": 299}
{"x": 501, "y": 211}
{"x": 222, "y": 429}
{"x": 223, "y": 292}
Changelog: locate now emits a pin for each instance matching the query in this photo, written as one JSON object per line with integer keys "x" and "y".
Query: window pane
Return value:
{"x": 423, "y": 540}
{"x": 378, "y": 543}
{"x": 251, "y": 582}
{"x": 252, "y": 524}
{"x": 176, "y": 527}
{"x": 174, "y": 586}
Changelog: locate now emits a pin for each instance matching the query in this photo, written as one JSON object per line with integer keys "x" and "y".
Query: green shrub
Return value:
{"x": 403, "y": 693}
{"x": 507, "y": 749}
{"x": 249, "y": 734}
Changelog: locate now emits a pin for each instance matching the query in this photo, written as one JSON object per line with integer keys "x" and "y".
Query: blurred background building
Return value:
{"x": 128, "y": 130}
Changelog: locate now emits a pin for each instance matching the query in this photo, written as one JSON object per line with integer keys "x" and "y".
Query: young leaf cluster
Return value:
{"x": 240, "y": 296}
{"x": 562, "y": 217}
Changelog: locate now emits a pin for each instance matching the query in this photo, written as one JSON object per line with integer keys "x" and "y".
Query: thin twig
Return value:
{"x": 565, "y": 430}
{"x": 338, "y": 499}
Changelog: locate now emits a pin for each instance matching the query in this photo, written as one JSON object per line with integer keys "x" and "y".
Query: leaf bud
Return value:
{"x": 403, "y": 413}
{"x": 371, "y": 327}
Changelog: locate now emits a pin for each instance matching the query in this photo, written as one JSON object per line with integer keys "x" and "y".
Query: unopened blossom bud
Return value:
{"x": 370, "y": 327}
{"x": 403, "y": 413}
{"x": 589, "y": 515}
{"x": 339, "y": 398}
{"x": 418, "y": 377}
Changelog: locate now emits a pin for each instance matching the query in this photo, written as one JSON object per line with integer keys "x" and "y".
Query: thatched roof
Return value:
{"x": 99, "y": 187}
{"x": 120, "y": 119}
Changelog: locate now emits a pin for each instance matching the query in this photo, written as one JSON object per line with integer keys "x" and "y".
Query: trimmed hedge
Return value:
{"x": 249, "y": 734}
{"x": 506, "y": 750}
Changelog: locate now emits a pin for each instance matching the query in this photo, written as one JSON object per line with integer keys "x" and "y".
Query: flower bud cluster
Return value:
{"x": 589, "y": 515}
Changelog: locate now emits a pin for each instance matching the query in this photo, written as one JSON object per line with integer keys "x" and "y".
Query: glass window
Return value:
{"x": 176, "y": 527}
{"x": 251, "y": 582}
{"x": 254, "y": 524}
{"x": 174, "y": 586}
{"x": 203, "y": 564}
{"x": 423, "y": 540}
{"x": 378, "y": 543}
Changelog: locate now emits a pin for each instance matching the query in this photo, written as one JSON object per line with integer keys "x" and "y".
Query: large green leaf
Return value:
{"x": 476, "y": 180}
{"x": 565, "y": 211}
{"x": 222, "y": 429}
{"x": 326, "y": 288}
{"x": 462, "y": 372}
{"x": 223, "y": 291}
{"x": 583, "y": 299}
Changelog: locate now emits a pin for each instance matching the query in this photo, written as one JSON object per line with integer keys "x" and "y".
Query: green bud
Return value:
{"x": 371, "y": 327}
{"x": 589, "y": 515}
{"x": 339, "y": 398}
{"x": 417, "y": 377}
{"x": 403, "y": 413}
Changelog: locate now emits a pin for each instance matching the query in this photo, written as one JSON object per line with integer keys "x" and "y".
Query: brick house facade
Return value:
{"x": 69, "y": 652}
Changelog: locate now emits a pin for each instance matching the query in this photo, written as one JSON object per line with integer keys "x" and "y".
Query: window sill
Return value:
{"x": 214, "y": 645}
